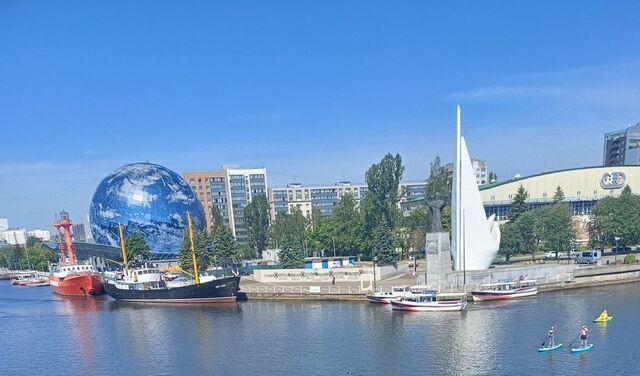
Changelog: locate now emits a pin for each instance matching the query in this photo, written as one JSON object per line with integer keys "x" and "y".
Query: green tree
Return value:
{"x": 224, "y": 244}
{"x": 32, "y": 241}
{"x": 558, "y": 196}
{"x": 527, "y": 238}
{"x": 292, "y": 254}
{"x": 446, "y": 219}
{"x": 414, "y": 229}
{"x": 553, "y": 227}
{"x": 37, "y": 258}
{"x": 137, "y": 247}
{"x": 256, "y": 215}
{"x": 519, "y": 204}
{"x": 291, "y": 226}
{"x": 383, "y": 244}
{"x": 218, "y": 220}
{"x": 615, "y": 217}
{"x": 347, "y": 229}
{"x": 492, "y": 178}
{"x": 438, "y": 185}
{"x": 510, "y": 243}
{"x": 205, "y": 252}
{"x": 383, "y": 194}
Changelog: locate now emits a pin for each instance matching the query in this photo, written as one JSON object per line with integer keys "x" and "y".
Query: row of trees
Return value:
{"x": 32, "y": 256}
{"x": 373, "y": 228}
{"x": 210, "y": 246}
{"x": 530, "y": 230}
{"x": 616, "y": 217}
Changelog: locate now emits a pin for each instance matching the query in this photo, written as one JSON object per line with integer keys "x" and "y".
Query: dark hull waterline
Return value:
{"x": 216, "y": 291}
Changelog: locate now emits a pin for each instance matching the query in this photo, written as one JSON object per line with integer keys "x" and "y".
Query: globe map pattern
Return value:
{"x": 148, "y": 199}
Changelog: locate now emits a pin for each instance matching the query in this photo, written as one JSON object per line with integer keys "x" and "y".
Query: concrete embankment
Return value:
{"x": 596, "y": 276}
{"x": 579, "y": 278}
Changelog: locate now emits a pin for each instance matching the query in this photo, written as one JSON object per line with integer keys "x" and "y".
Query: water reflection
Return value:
{"x": 101, "y": 336}
{"x": 79, "y": 313}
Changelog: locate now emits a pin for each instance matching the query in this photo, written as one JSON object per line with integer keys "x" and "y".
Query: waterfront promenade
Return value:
{"x": 581, "y": 277}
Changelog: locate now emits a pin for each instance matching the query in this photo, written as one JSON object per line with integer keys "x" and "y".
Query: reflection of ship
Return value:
{"x": 69, "y": 277}
{"x": 148, "y": 284}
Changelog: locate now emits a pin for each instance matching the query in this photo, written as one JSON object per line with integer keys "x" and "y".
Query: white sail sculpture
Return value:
{"x": 475, "y": 239}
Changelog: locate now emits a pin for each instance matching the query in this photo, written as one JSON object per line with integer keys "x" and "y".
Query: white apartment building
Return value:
{"x": 15, "y": 236}
{"x": 43, "y": 235}
{"x": 481, "y": 169}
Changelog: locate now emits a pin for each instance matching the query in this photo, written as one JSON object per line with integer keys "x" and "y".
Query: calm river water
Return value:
{"x": 45, "y": 334}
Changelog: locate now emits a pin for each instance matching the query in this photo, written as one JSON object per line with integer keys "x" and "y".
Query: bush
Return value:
{"x": 630, "y": 259}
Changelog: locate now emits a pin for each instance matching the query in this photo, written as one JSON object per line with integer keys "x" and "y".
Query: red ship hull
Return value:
{"x": 77, "y": 285}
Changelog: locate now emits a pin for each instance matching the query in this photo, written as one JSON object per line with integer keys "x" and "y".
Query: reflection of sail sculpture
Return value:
{"x": 475, "y": 239}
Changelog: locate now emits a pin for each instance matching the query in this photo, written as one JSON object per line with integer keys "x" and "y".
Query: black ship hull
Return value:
{"x": 216, "y": 291}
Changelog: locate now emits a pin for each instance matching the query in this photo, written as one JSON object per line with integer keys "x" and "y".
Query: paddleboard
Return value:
{"x": 605, "y": 320}
{"x": 550, "y": 348}
{"x": 582, "y": 348}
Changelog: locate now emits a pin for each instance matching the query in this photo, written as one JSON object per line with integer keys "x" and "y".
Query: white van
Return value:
{"x": 589, "y": 257}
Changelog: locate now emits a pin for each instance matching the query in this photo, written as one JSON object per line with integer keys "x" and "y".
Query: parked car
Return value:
{"x": 589, "y": 257}
{"x": 552, "y": 255}
{"x": 574, "y": 252}
{"x": 621, "y": 250}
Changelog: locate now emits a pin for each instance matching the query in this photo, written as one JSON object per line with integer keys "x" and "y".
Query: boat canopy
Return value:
{"x": 497, "y": 284}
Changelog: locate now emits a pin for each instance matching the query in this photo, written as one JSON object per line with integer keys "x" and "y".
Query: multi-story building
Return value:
{"x": 43, "y": 235}
{"x": 79, "y": 232}
{"x": 230, "y": 190}
{"x": 15, "y": 236}
{"x": 211, "y": 190}
{"x": 481, "y": 169}
{"x": 622, "y": 147}
{"x": 324, "y": 198}
{"x": 4, "y": 224}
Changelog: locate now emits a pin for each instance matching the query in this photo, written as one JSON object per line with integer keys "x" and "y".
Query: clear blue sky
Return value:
{"x": 318, "y": 90}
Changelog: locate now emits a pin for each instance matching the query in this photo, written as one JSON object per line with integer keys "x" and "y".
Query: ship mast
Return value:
{"x": 123, "y": 248}
{"x": 193, "y": 250}
{"x": 65, "y": 224}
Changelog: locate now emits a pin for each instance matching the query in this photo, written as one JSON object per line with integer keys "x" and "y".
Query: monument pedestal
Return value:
{"x": 438, "y": 256}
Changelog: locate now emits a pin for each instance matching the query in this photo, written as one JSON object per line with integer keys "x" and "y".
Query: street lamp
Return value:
{"x": 616, "y": 257}
{"x": 334, "y": 246}
{"x": 375, "y": 261}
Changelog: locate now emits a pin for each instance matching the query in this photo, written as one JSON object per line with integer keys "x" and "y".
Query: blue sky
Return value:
{"x": 316, "y": 90}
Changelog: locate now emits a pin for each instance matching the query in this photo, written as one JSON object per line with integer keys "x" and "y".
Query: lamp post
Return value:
{"x": 616, "y": 256}
{"x": 375, "y": 261}
{"x": 334, "y": 246}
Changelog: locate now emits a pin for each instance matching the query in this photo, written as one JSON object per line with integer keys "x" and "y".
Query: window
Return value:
{"x": 544, "y": 194}
{"x": 579, "y": 193}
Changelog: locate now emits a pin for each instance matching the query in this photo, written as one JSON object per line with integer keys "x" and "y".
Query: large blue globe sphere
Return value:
{"x": 148, "y": 199}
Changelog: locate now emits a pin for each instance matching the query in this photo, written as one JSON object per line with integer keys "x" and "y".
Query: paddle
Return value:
{"x": 574, "y": 340}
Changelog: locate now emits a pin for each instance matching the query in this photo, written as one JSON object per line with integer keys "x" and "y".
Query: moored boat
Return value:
{"x": 37, "y": 282}
{"x": 429, "y": 301}
{"x": 75, "y": 280}
{"x": 149, "y": 284}
{"x": 505, "y": 290}
{"x": 387, "y": 297}
{"x": 70, "y": 277}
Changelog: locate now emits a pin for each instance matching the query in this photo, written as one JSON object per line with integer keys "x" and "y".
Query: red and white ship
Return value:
{"x": 69, "y": 277}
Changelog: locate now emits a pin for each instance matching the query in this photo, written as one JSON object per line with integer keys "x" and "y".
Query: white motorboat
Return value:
{"x": 428, "y": 302}
{"x": 505, "y": 290}
{"x": 387, "y": 297}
